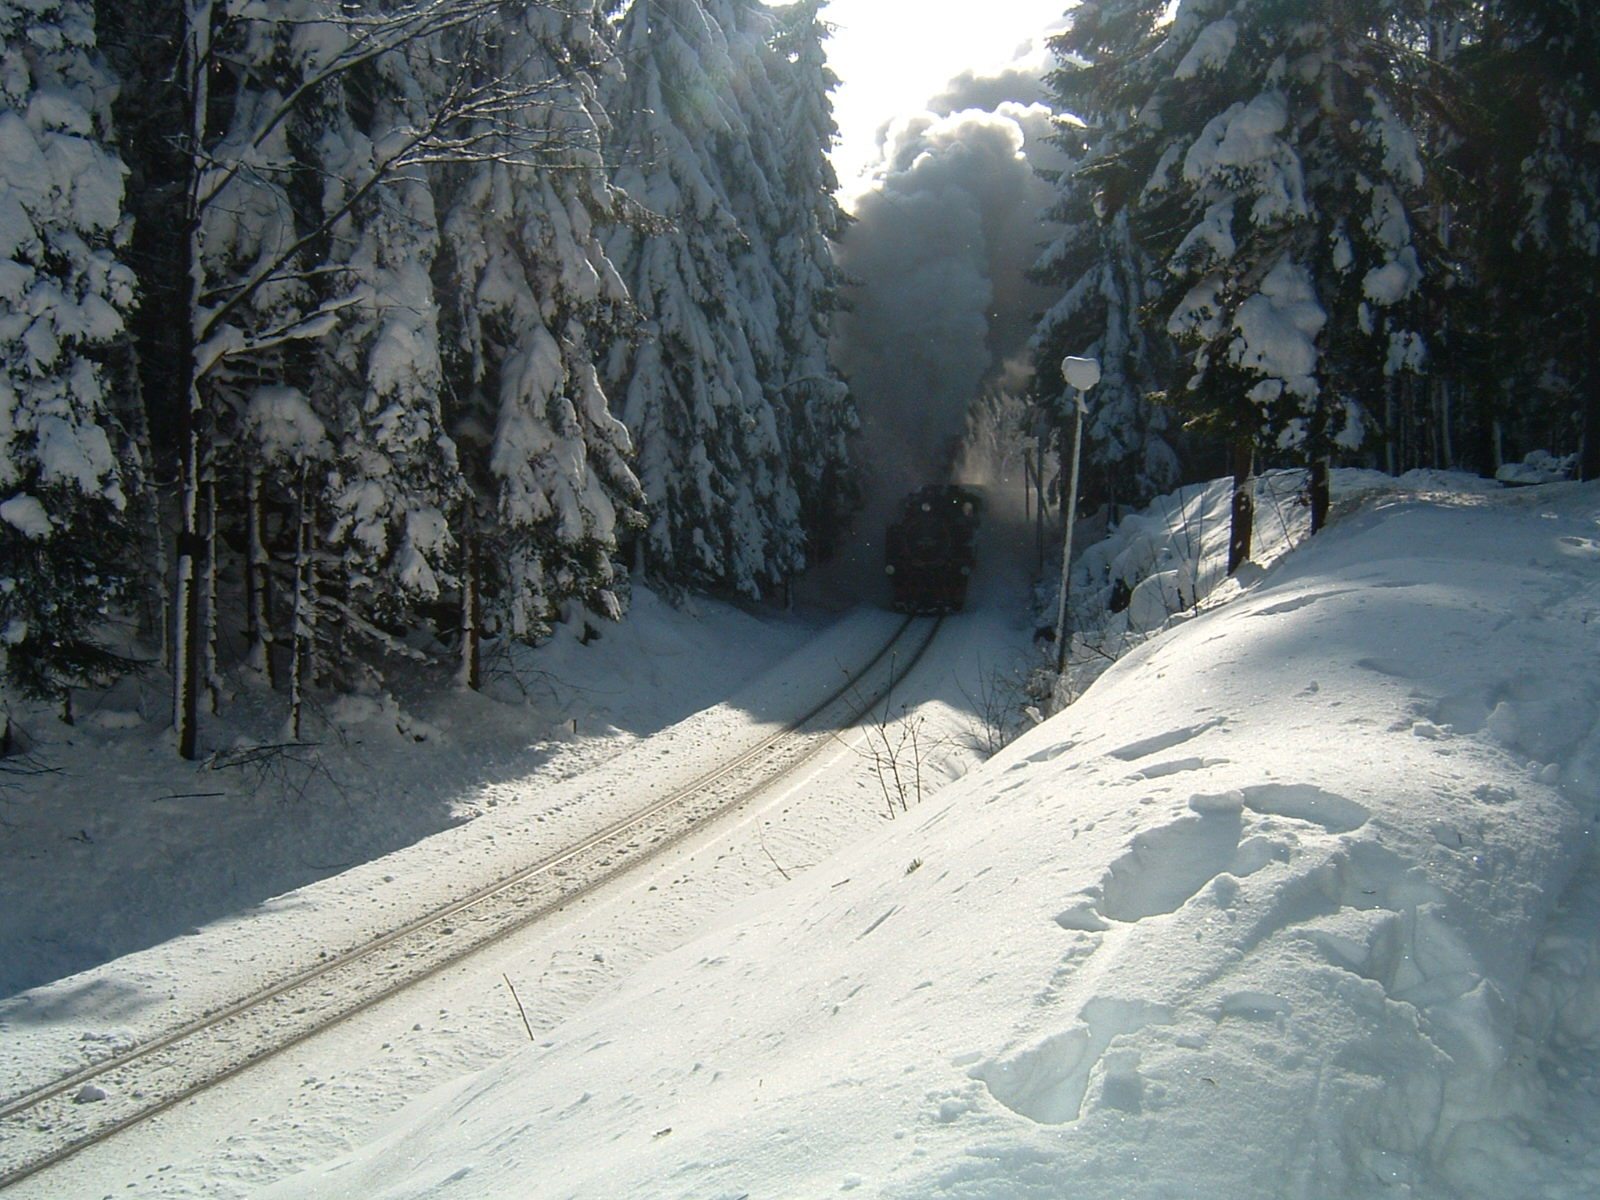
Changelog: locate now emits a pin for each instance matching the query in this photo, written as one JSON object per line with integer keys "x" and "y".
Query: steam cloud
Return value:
{"x": 941, "y": 309}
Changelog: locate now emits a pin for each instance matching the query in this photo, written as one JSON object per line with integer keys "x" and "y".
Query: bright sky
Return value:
{"x": 891, "y": 55}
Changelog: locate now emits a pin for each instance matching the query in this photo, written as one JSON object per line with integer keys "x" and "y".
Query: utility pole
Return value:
{"x": 1081, "y": 374}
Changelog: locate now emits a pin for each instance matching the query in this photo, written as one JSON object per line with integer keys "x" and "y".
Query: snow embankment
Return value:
{"x": 1297, "y": 901}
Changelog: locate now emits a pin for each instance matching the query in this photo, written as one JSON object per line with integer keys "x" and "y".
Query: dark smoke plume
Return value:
{"x": 940, "y": 248}
{"x": 941, "y": 310}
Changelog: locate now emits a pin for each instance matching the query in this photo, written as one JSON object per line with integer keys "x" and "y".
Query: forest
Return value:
{"x": 367, "y": 329}
{"x": 1357, "y": 232}
{"x": 336, "y": 333}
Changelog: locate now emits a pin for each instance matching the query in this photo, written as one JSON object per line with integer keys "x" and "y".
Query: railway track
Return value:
{"x": 45, "y": 1126}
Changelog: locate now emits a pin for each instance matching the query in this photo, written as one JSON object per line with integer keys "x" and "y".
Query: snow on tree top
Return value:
{"x": 1278, "y": 328}
{"x": 27, "y": 516}
{"x": 1210, "y": 49}
{"x": 285, "y": 427}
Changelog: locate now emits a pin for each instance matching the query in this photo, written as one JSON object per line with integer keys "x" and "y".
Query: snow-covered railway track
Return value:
{"x": 51, "y": 1123}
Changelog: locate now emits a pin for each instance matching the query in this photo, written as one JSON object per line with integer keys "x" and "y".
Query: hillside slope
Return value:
{"x": 1298, "y": 901}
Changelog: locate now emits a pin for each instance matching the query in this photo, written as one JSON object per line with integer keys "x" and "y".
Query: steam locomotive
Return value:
{"x": 929, "y": 551}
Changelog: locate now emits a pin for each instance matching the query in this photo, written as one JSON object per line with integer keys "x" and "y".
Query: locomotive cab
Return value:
{"x": 929, "y": 552}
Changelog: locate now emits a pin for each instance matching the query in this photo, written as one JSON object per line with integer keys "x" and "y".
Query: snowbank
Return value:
{"x": 1297, "y": 901}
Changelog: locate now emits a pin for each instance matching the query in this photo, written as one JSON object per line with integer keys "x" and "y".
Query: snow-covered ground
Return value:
{"x": 1298, "y": 899}
{"x": 127, "y": 932}
{"x": 118, "y": 846}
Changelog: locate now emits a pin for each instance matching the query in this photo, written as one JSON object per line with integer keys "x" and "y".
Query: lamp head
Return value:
{"x": 1081, "y": 373}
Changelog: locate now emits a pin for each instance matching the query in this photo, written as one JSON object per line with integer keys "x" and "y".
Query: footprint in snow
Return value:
{"x": 1166, "y": 867}
{"x": 1048, "y": 1081}
{"x": 1164, "y": 741}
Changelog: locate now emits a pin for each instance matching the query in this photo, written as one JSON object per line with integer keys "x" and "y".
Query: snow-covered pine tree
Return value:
{"x": 1532, "y": 211}
{"x": 1106, "y": 277}
{"x": 65, "y": 538}
{"x": 531, "y": 303}
{"x": 255, "y": 309}
{"x": 312, "y": 130}
{"x": 215, "y": 114}
{"x": 394, "y": 486}
{"x": 817, "y": 413}
{"x": 698, "y": 388}
{"x": 1287, "y": 206}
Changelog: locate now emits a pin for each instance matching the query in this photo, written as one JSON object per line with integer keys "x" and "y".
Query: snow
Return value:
{"x": 1402, "y": 156}
{"x": 79, "y": 454}
{"x": 1539, "y": 466}
{"x": 27, "y": 516}
{"x": 1277, "y": 330}
{"x": 1286, "y": 905}
{"x": 1214, "y": 232}
{"x": 284, "y": 425}
{"x": 1299, "y": 899}
{"x": 1245, "y": 141}
{"x": 1210, "y": 50}
{"x": 1395, "y": 279}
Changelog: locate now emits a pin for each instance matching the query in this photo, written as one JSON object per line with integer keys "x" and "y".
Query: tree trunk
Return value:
{"x": 1589, "y": 446}
{"x": 1390, "y": 459}
{"x": 1321, "y": 500}
{"x": 190, "y": 548}
{"x": 1036, "y": 465}
{"x": 471, "y": 672}
{"x": 1242, "y": 527}
{"x": 304, "y": 636}
{"x": 1443, "y": 415}
{"x": 186, "y": 606}
{"x": 258, "y": 584}
{"x": 208, "y": 642}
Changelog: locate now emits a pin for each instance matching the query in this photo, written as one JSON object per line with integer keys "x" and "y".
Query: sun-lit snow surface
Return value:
{"x": 1298, "y": 900}
{"x": 120, "y": 847}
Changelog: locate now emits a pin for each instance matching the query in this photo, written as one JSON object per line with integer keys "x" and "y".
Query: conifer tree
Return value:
{"x": 1532, "y": 209}
{"x": 1113, "y": 60}
{"x": 66, "y": 465}
{"x": 1301, "y": 245}
{"x": 1106, "y": 278}
{"x": 531, "y": 302}
{"x": 816, "y": 411}
{"x": 394, "y": 485}
{"x": 324, "y": 148}
{"x": 699, "y": 120}
{"x": 1267, "y": 157}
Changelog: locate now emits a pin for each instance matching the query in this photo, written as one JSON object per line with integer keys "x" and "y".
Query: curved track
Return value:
{"x": 51, "y": 1123}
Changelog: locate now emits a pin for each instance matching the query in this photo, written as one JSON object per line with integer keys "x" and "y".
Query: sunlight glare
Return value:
{"x": 892, "y": 56}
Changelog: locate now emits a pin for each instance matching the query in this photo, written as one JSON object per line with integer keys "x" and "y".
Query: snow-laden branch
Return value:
{"x": 366, "y": 39}
{"x": 229, "y": 341}
{"x": 209, "y": 323}
{"x": 476, "y": 120}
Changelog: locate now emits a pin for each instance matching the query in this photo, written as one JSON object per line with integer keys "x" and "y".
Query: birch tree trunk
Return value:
{"x": 190, "y": 545}
{"x": 303, "y": 639}
{"x": 186, "y": 608}
{"x": 209, "y": 670}
{"x": 258, "y": 583}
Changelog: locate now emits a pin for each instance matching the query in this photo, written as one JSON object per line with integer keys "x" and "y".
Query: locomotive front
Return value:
{"x": 930, "y": 550}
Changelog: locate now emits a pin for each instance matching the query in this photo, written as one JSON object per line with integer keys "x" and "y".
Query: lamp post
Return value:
{"x": 1081, "y": 374}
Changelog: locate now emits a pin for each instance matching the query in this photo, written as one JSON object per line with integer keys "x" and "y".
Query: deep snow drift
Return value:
{"x": 1299, "y": 900}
